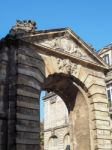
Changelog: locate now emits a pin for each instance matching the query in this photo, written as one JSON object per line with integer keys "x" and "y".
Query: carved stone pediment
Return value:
{"x": 65, "y": 44}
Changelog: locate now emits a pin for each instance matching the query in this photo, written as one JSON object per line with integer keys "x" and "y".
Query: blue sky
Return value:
{"x": 90, "y": 19}
{"x": 42, "y": 106}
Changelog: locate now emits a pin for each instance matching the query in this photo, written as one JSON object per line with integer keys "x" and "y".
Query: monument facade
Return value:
{"x": 54, "y": 60}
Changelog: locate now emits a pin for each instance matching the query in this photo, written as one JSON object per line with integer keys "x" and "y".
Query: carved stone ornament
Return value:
{"x": 25, "y": 25}
{"x": 65, "y": 44}
{"x": 66, "y": 66}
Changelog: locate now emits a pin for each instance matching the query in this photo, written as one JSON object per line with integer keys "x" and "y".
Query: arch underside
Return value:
{"x": 79, "y": 121}
{"x": 79, "y": 125}
{"x": 81, "y": 128}
{"x": 63, "y": 85}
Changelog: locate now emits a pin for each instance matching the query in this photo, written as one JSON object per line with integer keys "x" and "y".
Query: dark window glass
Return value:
{"x": 106, "y": 58}
{"x": 109, "y": 95}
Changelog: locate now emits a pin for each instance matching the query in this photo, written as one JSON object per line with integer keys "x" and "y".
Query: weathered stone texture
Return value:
{"x": 7, "y": 94}
{"x": 81, "y": 126}
{"x": 29, "y": 86}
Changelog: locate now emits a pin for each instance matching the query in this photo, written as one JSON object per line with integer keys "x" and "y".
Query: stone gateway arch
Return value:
{"x": 54, "y": 60}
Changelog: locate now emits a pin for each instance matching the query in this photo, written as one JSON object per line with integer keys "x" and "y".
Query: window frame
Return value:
{"x": 109, "y": 94}
{"x": 106, "y": 59}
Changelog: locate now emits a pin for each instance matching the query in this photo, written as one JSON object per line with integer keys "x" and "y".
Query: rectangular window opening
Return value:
{"x": 106, "y": 59}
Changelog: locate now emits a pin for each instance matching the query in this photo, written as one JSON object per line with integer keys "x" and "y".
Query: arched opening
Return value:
{"x": 67, "y": 87}
{"x": 67, "y": 142}
{"x": 63, "y": 85}
{"x": 31, "y": 81}
{"x": 53, "y": 143}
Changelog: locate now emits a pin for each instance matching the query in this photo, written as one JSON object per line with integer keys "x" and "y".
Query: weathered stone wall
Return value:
{"x": 22, "y": 71}
{"x": 30, "y": 76}
{"x": 3, "y": 100}
{"x": 81, "y": 129}
{"x": 7, "y": 94}
{"x": 3, "y": 97}
{"x": 99, "y": 111}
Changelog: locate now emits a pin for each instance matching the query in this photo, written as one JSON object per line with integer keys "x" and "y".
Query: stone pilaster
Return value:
{"x": 99, "y": 113}
{"x": 7, "y": 95}
{"x": 3, "y": 97}
{"x": 30, "y": 77}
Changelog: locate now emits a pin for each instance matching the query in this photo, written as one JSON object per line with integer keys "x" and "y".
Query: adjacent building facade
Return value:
{"x": 106, "y": 54}
{"x": 56, "y": 123}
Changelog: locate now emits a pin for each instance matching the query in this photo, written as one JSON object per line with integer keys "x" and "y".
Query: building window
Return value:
{"x": 67, "y": 142}
{"x": 109, "y": 94}
{"x": 106, "y": 59}
{"x": 53, "y": 143}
